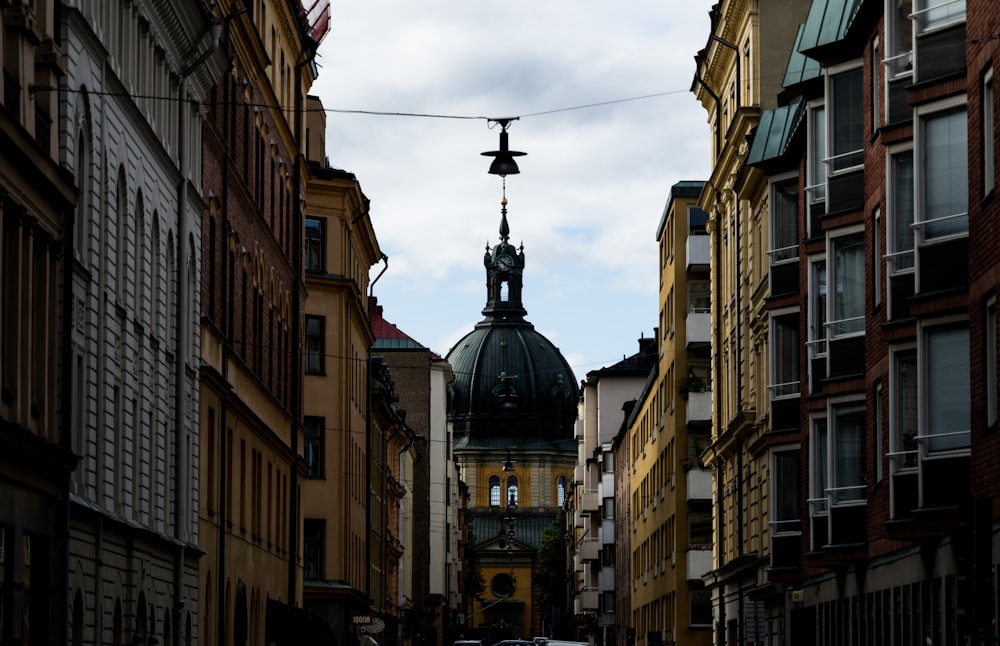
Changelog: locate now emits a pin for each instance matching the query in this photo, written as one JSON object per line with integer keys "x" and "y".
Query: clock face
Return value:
{"x": 505, "y": 262}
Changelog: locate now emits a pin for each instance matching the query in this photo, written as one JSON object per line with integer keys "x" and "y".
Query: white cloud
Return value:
{"x": 592, "y": 187}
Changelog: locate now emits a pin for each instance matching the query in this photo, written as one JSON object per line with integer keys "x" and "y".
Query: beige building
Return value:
{"x": 734, "y": 81}
{"x": 343, "y": 567}
{"x": 670, "y": 491}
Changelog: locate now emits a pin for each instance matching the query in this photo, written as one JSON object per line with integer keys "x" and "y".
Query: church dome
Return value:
{"x": 511, "y": 383}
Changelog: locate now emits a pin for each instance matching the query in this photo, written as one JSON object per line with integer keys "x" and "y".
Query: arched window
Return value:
{"x": 561, "y": 491}
{"x": 494, "y": 491}
{"x": 512, "y": 489}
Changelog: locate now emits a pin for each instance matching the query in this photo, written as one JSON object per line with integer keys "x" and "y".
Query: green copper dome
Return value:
{"x": 512, "y": 385}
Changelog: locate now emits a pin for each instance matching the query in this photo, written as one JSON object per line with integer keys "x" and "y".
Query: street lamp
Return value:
{"x": 503, "y": 159}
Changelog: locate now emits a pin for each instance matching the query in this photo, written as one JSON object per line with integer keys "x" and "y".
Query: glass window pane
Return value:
{"x": 901, "y": 193}
{"x": 904, "y": 408}
{"x": 786, "y": 510}
{"x": 849, "y": 285}
{"x": 847, "y": 119}
{"x": 946, "y": 176}
{"x": 785, "y": 221}
{"x": 937, "y": 13}
{"x": 849, "y": 454}
{"x": 948, "y": 398}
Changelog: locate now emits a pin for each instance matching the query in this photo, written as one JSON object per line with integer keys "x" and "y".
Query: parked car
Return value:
{"x": 468, "y": 642}
{"x": 514, "y": 642}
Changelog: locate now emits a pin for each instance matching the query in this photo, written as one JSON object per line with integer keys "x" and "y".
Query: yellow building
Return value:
{"x": 670, "y": 491}
{"x": 251, "y": 437}
{"x": 343, "y": 551}
{"x": 735, "y": 81}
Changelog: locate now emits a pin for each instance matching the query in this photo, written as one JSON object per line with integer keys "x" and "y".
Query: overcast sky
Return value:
{"x": 591, "y": 190}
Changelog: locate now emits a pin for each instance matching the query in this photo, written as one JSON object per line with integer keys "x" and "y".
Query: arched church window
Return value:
{"x": 512, "y": 489}
{"x": 494, "y": 491}
{"x": 561, "y": 491}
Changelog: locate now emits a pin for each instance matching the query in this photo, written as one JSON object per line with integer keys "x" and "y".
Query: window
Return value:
{"x": 876, "y": 86}
{"x": 846, "y": 126}
{"x": 312, "y": 543}
{"x": 699, "y": 530}
{"x": 314, "y": 245}
{"x": 314, "y": 345}
{"x": 876, "y": 257}
{"x": 899, "y": 195}
{"x": 943, "y": 145}
{"x": 313, "y": 449}
{"x": 903, "y": 409}
{"x": 608, "y": 602}
{"x": 848, "y": 448}
{"x": 494, "y": 491}
{"x": 990, "y": 362}
{"x": 700, "y": 607}
{"x": 932, "y": 14}
{"x": 561, "y": 491}
{"x": 848, "y": 303}
{"x": 899, "y": 38}
{"x": 609, "y": 462}
{"x": 817, "y": 155}
{"x": 511, "y": 490}
{"x": 784, "y": 348}
{"x": 989, "y": 151}
{"x": 817, "y": 309}
{"x": 946, "y": 380}
{"x": 818, "y": 468}
{"x": 877, "y": 452}
{"x": 784, "y": 229}
{"x": 697, "y": 221}
{"x": 785, "y": 510}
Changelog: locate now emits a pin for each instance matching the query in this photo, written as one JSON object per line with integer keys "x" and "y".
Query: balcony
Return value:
{"x": 589, "y": 549}
{"x": 699, "y": 327}
{"x": 699, "y": 408}
{"x": 697, "y": 250}
{"x": 589, "y": 500}
{"x": 699, "y": 485}
{"x": 586, "y": 602}
{"x": 607, "y": 579}
{"x": 699, "y": 563}
{"x": 606, "y": 487}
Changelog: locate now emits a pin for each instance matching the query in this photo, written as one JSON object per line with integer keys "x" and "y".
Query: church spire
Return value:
{"x": 504, "y": 270}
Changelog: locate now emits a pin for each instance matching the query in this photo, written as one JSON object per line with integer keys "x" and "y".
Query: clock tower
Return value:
{"x": 504, "y": 273}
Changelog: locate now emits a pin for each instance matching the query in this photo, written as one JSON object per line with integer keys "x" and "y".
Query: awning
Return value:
{"x": 287, "y": 625}
{"x": 774, "y": 133}
{"x": 800, "y": 67}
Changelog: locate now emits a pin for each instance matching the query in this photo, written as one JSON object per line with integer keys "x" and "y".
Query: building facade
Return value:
{"x": 130, "y": 129}
{"x": 887, "y": 317}
{"x": 252, "y": 293}
{"x": 606, "y": 400}
{"x": 668, "y": 430}
{"x": 38, "y": 207}
{"x": 340, "y": 248}
{"x": 733, "y": 81}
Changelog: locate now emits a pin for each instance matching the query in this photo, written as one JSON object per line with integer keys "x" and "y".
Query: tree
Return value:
{"x": 550, "y": 572}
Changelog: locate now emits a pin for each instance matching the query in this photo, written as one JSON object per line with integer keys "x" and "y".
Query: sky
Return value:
{"x": 603, "y": 107}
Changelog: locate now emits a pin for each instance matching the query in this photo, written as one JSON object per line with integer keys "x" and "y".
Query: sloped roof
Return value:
{"x": 774, "y": 133}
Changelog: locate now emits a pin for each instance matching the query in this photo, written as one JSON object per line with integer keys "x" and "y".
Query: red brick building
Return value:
{"x": 883, "y": 276}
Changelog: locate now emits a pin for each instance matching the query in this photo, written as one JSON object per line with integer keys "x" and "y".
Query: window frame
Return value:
{"x": 922, "y": 21}
{"x": 314, "y": 351}
{"x": 778, "y": 363}
{"x": 988, "y": 129}
{"x": 898, "y": 59}
{"x": 314, "y": 441}
{"x": 838, "y": 409}
{"x": 853, "y": 159}
{"x": 923, "y": 117}
{"x": 778, "y": 523}
{"x": 924, "y": 358}
{"x": 990, "y": 363}
{"x": 315, "y": 244}
{"x": 898, "y": 197}
{"x": 835, "y": 241}
{"x": 787, "y": 253}
{"x": 816, "y": 151}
